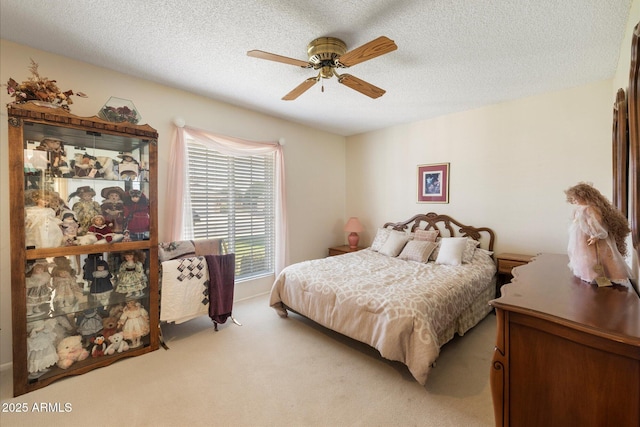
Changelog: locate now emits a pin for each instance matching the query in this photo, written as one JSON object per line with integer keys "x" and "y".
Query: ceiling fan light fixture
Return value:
{"x": 328, "y": 53}
{"x": 326, "y": 72}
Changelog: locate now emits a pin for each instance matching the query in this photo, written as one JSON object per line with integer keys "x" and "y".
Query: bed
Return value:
{"x": 396, "y": 300}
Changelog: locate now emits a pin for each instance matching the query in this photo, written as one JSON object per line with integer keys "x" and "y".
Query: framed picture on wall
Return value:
{"x": 433, "y": 183}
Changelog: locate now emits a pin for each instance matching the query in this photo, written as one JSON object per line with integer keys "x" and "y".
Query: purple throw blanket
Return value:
{"x": 221, "y": 284}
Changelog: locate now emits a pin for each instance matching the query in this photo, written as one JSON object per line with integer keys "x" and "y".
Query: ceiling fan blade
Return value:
{"x": 300, "y": 89}
{"x": 278, "y": 58}
{"x": 361, "y": 86}
{"x": 367, "y": 51}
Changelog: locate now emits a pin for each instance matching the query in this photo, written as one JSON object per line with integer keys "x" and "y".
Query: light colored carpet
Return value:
{"x": 269, "y": 372}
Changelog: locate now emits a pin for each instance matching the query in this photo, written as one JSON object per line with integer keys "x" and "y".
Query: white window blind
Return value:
{"x": 233, "y": 198}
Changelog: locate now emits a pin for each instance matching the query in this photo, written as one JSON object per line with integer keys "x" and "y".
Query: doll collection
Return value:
{"x": 50, "y": 159}
{"x": 66, "y": 324}
{"x": 91, "y": 305}
{"x": 50, "y": 222}
{"x": 122, "y": 214}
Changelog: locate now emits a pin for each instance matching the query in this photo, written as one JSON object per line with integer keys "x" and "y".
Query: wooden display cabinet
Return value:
{"x": 68, "y": 276}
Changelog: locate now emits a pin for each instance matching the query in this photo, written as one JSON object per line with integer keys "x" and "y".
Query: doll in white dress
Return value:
{"x": 134, "y": 322}
{"x": 69, "y": 228}
{"x": 42, "y": 228}
{"x": 38, "y": 284}
{"x": 41, "y": 349}
{"x": 596, "y": 236}
{"x": 66, "y": 290}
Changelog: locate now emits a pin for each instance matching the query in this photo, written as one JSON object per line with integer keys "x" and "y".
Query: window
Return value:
{"x": 233, "y": 198}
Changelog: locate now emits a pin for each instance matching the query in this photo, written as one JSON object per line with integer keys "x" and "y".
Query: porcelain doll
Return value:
{"x": 100, "y": 286}
{"x": 41, "y": 347}
{"x": 85, "y": 166}
{"x": 66, "y": 290}
{"x": 86, "y": 208}
{"x": 89, "y": 324}
{"x": 56, "y": 157}
{"x": 113, "y": 208}
{"x": 596, "y": 236}
{"x": 38, "y": 284}
{"x": 42, "y": 228}
{"x": 129, "y": 168}
{"x": 131, "y": 278}
{"x": 102, "y": 231}
{"x": 134, "y": 322}
{"x": 136, "y": 212}
{"x": 69, "y": 228}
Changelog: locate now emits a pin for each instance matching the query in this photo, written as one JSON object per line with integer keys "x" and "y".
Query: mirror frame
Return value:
{"x": 620, "y": 153}
{"x": 633, "y": 107}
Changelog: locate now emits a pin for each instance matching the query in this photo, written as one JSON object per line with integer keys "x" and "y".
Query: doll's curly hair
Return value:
{"x": 614, "y": 221}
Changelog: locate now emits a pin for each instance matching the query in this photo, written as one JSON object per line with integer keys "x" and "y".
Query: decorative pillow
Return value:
{"x": 451, "y": 249}
{"x": 394, "y": 244}
{"x": 469, "y": 250}
{"x": 417, "y": 250}
{"x": 381, "y": 236}
{"x": 427, "y": 235}
{"x": 484, "y": 251}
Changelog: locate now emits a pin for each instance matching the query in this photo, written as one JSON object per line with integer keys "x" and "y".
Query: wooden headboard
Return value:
{"x": 447, "y": 227}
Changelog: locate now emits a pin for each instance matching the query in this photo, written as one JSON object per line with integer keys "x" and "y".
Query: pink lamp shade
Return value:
{"x": 354, "y": 227}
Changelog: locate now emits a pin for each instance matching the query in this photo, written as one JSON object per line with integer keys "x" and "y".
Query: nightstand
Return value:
{"x": 344, "y": 249}
{"x": 506, "y": 263}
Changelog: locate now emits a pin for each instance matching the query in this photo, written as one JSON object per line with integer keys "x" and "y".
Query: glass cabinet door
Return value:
{"x": 81, "y": 308}
{"x": 84, "y": 188}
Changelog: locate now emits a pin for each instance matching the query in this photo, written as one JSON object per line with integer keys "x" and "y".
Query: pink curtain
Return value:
{"x": 179, "y": 217}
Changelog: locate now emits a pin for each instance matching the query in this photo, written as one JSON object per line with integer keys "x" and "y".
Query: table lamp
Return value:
{"x": 354, "y": 227}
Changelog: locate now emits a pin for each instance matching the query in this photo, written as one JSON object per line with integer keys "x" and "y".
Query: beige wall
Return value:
{"x": 509, "y": 165}
{"x": 314, "y": 160}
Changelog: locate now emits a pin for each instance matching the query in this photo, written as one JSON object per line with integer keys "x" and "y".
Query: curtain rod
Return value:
{"x": 180, "y": 122}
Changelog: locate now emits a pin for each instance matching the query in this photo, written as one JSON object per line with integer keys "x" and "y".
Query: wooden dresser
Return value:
{"x": 567, "y": 352}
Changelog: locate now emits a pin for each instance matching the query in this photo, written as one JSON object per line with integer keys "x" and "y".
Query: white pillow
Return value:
{"x": 451, "y": 249}
{"x": 417, "y": 250}
{"x": 394, "y": 244}
{"x": 381, "y": 236}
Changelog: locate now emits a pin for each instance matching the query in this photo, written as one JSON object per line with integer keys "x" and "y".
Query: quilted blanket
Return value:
{"x": 184, "y": 289}
{"x": 398, "y": 307}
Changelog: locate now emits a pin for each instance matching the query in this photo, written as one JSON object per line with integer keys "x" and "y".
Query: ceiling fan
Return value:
{"x": 328, "y": 53}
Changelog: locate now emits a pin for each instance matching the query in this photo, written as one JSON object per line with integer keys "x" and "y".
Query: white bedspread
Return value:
{"x": 399, "y": 307}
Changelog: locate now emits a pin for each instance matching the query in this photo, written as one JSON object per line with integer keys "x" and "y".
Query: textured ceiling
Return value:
{"x": 453, "y": 55}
